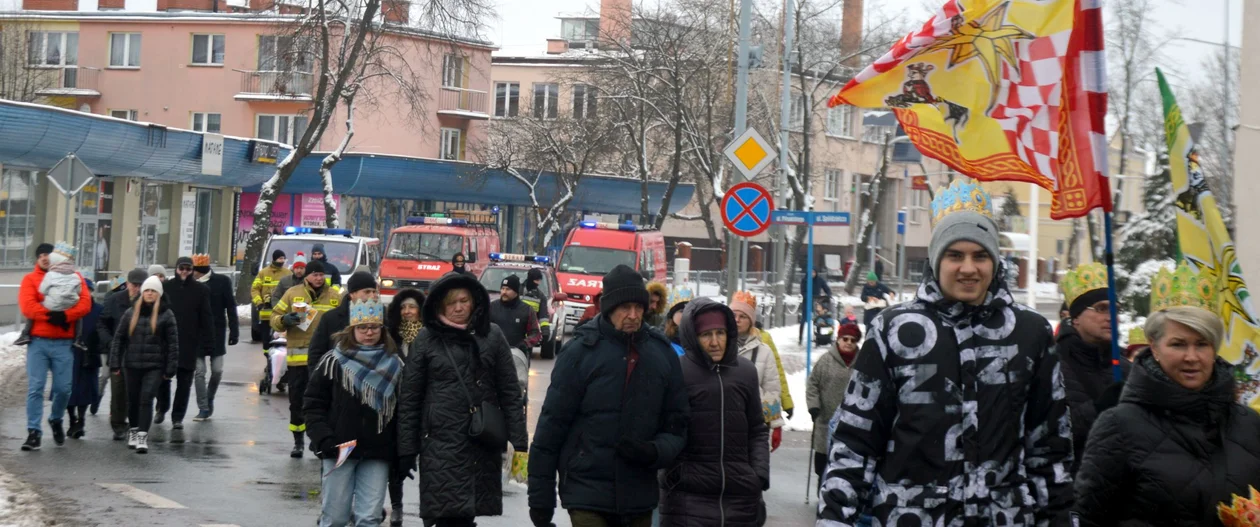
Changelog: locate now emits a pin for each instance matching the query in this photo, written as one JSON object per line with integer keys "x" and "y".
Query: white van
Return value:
{"x": 344, "y": 250}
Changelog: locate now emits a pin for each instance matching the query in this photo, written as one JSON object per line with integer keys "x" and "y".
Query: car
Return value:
{"x": 503, "y": 265}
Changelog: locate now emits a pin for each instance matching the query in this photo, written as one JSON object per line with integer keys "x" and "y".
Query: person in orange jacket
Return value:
{"x": 52, "y": 333}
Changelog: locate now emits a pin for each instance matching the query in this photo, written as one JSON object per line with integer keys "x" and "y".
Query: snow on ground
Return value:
{"x": 20, "y": 506}
{"x": 244, "y": 312}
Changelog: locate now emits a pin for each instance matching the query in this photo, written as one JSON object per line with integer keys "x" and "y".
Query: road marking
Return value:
{"x": 219, "y": 525}
{"x": 147, "y": 498}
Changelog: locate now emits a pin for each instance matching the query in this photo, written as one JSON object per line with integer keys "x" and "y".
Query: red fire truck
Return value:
{"x": 594, "y": 248}
{"x": 421, "y": 251}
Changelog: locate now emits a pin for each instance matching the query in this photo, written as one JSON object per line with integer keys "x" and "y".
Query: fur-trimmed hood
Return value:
{"x": 658, "y": 289}
{"x": 393, "y": 313}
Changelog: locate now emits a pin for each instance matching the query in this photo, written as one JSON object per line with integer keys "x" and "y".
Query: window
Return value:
{"x": 831, "y": 188}
{"x": 52, "y": 48}
{"x": 840, "y": 121}
{"x": 452, "y": 144}
{"x": 546, "y": 99}
{"x": 124, "y": 50}
{"x": 796, "y": 115}
{"x": 1059, "y": 246}
{"x": 507, "y": 99}
{"x": 287, "y": 129}
{"x": 207, "y": 50}
{"x": 453, "y": 71}
{"x": 130, "y": 115}
{"x": 916, "y": 205}
{"x": 210, "y": 123}
{"x": 204, "y": 221}
{"x": 280, "y": 53}
{"x": 18, "y": 220}
{"x": 579, "y": 30}
{"x": 583, "y": 101}
{"x": 875, "y": 133}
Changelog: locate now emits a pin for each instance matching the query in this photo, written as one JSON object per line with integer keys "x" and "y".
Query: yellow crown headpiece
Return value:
{"x": 1182, "y": 287}
{"x": 961, "y": 195}
{"x": 1242, "y": 512}
{"x": 1082, "y": 280}
{"x": 201, "y": 260}
{"x": 1137, "y": 337}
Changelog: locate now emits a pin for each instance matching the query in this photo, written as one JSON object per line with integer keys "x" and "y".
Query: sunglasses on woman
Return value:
{"x": 848, "y": 339}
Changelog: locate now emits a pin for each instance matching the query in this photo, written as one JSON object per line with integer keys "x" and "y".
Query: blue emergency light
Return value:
{"x": 317, "y": 230}
{"x": 511, "y": 257}
{"x": 435, "y": 219}
{"x": 627, "y": 226}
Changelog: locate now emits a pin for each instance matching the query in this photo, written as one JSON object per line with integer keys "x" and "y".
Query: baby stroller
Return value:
{"x": 276, "y": 353}
{"x": 824, "y": 322}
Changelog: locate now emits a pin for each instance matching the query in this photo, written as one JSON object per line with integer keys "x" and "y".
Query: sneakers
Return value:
{"x": 32, "y": 440}
{"x": 202, "y": 415}
{"x": 177, "y": 425}
{"x": 142, "y": 442}
{"x": 133, "y": 438}
{"x": 59, "y": 433}
{"x": 160, "y": 417}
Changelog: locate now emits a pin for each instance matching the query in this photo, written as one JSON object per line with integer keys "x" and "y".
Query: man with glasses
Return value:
{"x": 1084, "y": 348}
{"x": 190, "y": 301}
{"x": 297, "y": 314}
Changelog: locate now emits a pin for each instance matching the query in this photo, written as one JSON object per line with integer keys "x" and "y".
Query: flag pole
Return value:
{"x": 1109, "y": 255}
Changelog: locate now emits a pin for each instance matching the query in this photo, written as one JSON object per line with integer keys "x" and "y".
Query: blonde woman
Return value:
{"x": 145, "y": 352}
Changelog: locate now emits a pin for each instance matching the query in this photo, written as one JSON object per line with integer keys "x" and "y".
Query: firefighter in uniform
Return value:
{"x": 266, "y": 281}
{"x": 297, "y": 314}
{"x": 534, "y": 298}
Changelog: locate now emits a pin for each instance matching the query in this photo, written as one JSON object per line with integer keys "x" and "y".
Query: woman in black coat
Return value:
{"x": 402, "y": 319}
{"x": 146, "y": 351}
{"x": 720, "y": 475}
{"x": 84, "y": 390}
{"x": 457, "y": 356}
{"x": 1177, "y": 445}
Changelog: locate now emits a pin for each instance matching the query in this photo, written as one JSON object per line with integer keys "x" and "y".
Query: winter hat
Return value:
{"x": 276, "y": 255}
{"x": 315, "y": 266}
{"x": 849, "y": 330}
{"x": 962, "y": 212}
{"x": 183, "y": 260}
{"x": 534, "y": 275}
{"x": 137, "y": 276}
{"x": 157, "y": 269}
{"x": 201, "y": 263}
{"x": 871, "y": 276}
{"x": 512, "y": 282}
{"x": 673, "y": 310}
{"x": 359, "y": 281}
{"x": 299, "y": 260}
{"x": 622, "y": 285}
{"x": 62, "y": 252}
{"x": 710, "y": 320}
{"x": 745, "y": 303}
{"x": 42, "y": 249}
{"x": 318, "y": 248}
{"x": 152, "y": 283}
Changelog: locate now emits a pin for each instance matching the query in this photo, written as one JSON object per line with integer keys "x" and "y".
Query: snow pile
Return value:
{"x": 800, "y": 421}
{"x": 20, "y": 506}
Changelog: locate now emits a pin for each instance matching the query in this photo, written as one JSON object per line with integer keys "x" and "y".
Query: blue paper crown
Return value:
{"x": 367, "y": 312}
{"x": 961, "y": 196}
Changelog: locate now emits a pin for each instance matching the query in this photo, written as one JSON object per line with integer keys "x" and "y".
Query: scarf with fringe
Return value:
{"x": 371, "y": 374}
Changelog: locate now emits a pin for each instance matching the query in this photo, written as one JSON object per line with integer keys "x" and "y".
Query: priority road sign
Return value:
{"x": 746, "y": 209}
{"x": 750, "y": 153}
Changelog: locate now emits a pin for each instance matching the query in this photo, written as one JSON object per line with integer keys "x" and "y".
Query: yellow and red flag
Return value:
{"x": 1003, "y": 90}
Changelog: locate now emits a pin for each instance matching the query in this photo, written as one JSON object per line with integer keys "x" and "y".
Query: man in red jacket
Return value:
{"x": 52, "y": 332}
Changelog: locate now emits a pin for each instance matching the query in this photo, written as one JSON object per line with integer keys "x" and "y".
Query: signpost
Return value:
{"x": 750, "y": 153}
{"x": 812, "y": 219}
{"x": 69, "y": 176}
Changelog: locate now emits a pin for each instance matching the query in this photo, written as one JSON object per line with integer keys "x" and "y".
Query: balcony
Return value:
{"x": 463, "y": 103}
{"x": 70, "y": 81}
{"x": 275, "y": 86}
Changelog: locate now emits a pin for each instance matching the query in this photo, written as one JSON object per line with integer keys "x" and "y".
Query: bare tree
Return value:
{"x": 871, "y": 209}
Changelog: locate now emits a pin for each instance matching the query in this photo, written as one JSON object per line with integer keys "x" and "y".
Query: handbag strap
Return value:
{"x": 472, "y": 408}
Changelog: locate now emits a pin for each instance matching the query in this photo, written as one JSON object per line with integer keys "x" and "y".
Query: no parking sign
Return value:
{"x": 746, "y": 209}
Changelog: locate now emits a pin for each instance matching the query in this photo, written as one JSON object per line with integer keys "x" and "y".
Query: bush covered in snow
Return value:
{"x": 1135, "y": 296}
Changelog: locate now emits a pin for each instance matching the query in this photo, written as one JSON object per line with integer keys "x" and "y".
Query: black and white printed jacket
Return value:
{"x": 955, "y": 416}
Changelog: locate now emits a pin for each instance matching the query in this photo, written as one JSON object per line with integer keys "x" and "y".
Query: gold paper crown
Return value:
{"x": 1082, "y": 280}
{"x": 1137, "y": 337}
{"x": 367, "y": 312}
{"x": 961, "y": 195}
{"x": 201, "y": 260}
{"x": 1243, "y": 512}
{"x": 1182, "y": 287}
{"x": 745, "y": 297}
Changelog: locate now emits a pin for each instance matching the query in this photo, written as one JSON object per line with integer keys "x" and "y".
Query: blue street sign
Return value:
{"x": 801, "y": 217}
{"x": 812, "y": 219}
{"x": 901, "y": 222}
{"x": 840, "y": 219}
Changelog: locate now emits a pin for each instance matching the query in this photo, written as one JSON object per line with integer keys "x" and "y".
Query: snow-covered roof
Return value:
{"x": 1015, "y": 241}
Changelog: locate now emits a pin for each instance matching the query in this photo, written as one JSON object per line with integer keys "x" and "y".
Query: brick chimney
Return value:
{"x": 851, "y": 31}
{"x": 557, "y": 46}
{"x": 614, "y": 21}
{"x": 396, "y": 11}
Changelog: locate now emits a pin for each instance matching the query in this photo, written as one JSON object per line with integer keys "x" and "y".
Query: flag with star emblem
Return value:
{"x": 1003, "y": 90}
{"x": 1205, "y": 245}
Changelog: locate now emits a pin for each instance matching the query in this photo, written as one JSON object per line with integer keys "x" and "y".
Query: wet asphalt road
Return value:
{"x": 235, "y": 468}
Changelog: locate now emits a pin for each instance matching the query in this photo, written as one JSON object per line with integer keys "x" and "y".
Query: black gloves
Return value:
{"x": 641, "y": 452}
{"x": 291, "y": 319}
{"x": 814, "y": 413}
{"x": 541, "y": 517}
{"x": 232, "y": 340}
{"x": 789, "y": 412}
{"x": 406, "y": 467}
{"x": 58, "y": 318}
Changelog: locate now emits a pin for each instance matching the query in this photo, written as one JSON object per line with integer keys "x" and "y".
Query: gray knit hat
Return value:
{"x": 962, "y": 226}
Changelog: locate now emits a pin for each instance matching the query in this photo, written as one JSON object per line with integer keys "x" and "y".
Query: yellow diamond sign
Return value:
{"x": 750, "y": 153}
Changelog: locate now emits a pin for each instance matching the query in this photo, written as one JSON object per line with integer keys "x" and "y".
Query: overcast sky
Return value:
{"x": 524, "y": 25}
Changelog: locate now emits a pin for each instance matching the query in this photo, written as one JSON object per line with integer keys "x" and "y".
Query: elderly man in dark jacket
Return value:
{"x": 1084, "y": 349}
{"x": 616, "y": 412}
{"x": 111, "y": 316}
{"x": 190, "y": 301}
{"x": 719, "y": 477}
{"x": 227, "y": 332}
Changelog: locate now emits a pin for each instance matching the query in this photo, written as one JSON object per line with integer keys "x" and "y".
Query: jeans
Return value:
{"x": 183, "y": 389}
{"x": 142, "y": 386}
{"x": 355, "y": 489}
{"x": 206, "y": 398}
{"x": 42, "y": 356}
{"x": 580, "y": 518}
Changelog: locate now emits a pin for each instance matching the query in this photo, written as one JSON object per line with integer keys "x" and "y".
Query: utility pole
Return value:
{"x": 736, "y": 247}
{"x": 785, "y": 109}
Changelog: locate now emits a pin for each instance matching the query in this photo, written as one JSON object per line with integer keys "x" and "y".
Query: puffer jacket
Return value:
{"x": 335, "y": 416}
{"x": 954, "y": 414}
{"x": 145, "y": 349}
{"x": 458, "y": 478}
{"x": 190, "y": 301}
{"x": 1086, "y": 376}
{"x": 591, "y": 405}
{"x": 111, "y": 315}
{"x": 720, "y": 475}
{"x": 1167, "y": 455}
{"x": 825, "y": 391}
{"x": 759, "y": 354}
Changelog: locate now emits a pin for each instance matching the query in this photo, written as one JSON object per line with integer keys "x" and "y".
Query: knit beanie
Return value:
{"x": 276, "y": 255}
{"x": 1086, "y": 300}
{"x": 622, "y": 285}
{"x": 534, "y": 275}
{"x": 42, "y": 249}
{"x": 849, "y": 330}
{"x": 710, "y": 320}
{"x": 359, "y": 281}
{"x": 299, "y": 260}
{"x": 152, "y": 283}
{"x": 157, "y": 269}
{"x": 744, "y": 302}
{"x": 315, "y": 266}
{"x": 137, "y": 276}
{"x": 318, "y": 248}
{"x": 962, "y": 226}
{"x": 871, "y": 276}
{"x": 675, "y": 309}
{"x": 512, "y": 282}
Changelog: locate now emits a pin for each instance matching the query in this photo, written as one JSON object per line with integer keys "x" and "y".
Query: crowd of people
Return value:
{"x": 959, "y": 406}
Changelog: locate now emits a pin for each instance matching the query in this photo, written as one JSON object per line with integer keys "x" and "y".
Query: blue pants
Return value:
{"x": 355, "y": 489}
{"x": 42, "y": 356}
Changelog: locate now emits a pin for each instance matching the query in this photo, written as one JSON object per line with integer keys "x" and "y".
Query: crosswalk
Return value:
{"x": 153, "y": 500}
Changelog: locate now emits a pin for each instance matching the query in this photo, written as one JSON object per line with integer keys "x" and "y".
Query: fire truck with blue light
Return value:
{"x": 503, "y": 265}
{"x": 591, "y": 250}
{"x": 420, "y": 252}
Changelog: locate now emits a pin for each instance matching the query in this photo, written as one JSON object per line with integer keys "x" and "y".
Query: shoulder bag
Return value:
{"x": 486, "y": 425}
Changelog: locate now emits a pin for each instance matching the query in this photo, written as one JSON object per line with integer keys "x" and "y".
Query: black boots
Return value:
{"x": 296, "y": 453}
{"x": 32, "y": 440}
{"x": 76, "y": 428}
{"x": 59, "y": 433}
